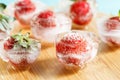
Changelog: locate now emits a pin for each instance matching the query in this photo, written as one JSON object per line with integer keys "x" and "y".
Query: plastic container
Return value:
{"x": 74, "y": 49}
{"x": 62, "y": 23}
{"x": 110, "y": 37}
{"x": 19, "y": 55}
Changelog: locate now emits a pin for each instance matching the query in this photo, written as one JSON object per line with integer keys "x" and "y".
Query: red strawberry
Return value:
{"x": 72, "y": 60}
{"x": 112, "y": 41}
{"x": 80, "y": 8}
{"x": 24, "y": 6}
{"x": 9, "y": 44}
{"x": 76, "y": 61}
{"x": 22, "y": 65}
{"x": 46, "y": 14}
{"x": 82, "y": 0}
{"x": 113, "y": 23}
{"x": 80, "y": 12}
{"x": 47, "y": 19}
{"x": 71, "y": 44}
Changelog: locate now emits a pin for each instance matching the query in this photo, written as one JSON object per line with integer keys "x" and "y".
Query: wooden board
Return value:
{"x": 106, "y": 65}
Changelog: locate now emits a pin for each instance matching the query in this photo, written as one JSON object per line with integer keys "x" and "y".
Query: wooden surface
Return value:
{"x": 106, "y": 65}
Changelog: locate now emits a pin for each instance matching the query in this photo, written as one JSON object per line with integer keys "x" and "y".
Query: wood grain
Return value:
{"x": 106, "y": 65}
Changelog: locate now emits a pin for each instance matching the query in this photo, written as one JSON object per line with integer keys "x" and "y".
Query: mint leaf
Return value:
{"x": 2, "y": 7}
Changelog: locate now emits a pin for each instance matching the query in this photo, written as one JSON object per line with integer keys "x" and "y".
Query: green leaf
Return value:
{"x": 2, "y": 7}
{"x": 119, "y": 13}
{"x": 23, "y": 40}
{"x": 5, "y": 21}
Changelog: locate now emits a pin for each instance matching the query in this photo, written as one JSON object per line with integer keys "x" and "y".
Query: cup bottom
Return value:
{"x": 81, "y": 27}
{"x": 74, "y": 67}
{"x": 18, "y": 67}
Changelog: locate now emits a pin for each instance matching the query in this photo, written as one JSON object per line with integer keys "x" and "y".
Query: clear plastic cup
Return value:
{"x": 62, "y": 23}
{"x": 110, "y": 37}
{"x": 20, "y": 58}
{"x": 74, "y": 49}
{"x": 87, "y": 18}
{"x": 3, "y": 35}
{"x": 6, "y": 25}
{"x": 25, "y": 18}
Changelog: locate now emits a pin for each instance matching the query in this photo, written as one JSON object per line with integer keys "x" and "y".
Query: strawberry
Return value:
{"x": 80, "y": 13}
{"x": 9, "y": 44}
{"x": 112, "y": 41}
{"x": 24, "y": 6}
{"x": 80, "y": 8}
{"x": 71, "y": 44}
{"x": 18, "y": 40}
{"x": 46, "y": 14}
{"x": 76, "y": 61}
{"x": 72, "y": 60}
{"x": 19, "y": 48}
{"x": 46, "y": 19}
{"x": 113, "y": 23}
{"x": 23, "y": 64}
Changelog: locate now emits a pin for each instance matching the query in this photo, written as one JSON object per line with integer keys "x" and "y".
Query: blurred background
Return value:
{"x": 106, "y": 6}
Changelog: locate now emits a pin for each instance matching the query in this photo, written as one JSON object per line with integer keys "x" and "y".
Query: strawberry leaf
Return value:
{"x": 119, "y": 13}
{"x": 23, "y": 41}
{"x": 5, "y": 21}
{"x": 2, "y": 7}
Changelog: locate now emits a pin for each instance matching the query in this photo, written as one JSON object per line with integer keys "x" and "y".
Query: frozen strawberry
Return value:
{"x": 46, "y": 24}
{"x": 71, "y": 43}
{"x": 80, "y": 8}
{"x": 83, "y": 20}
{"x": 46, "y": 14}
{"x": 72, "y": 60}
{"x": 9, "y": 44}
{"x": 115, "y": 18}
{"x": 22, "y": 65}
{"x": 24, "y": 7}
{"x": 76, "y": 61}
{"x": 109, "y": 30}
{"x": 74, "y": 49}
{"x": 21, "y": 50}
{"x": 47, "y": 19}
{"x": 24, "y": 10}
{"x": 81, "y": 13}
{"x": 113, "y": 23}
{"x": 112, "y": 40}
